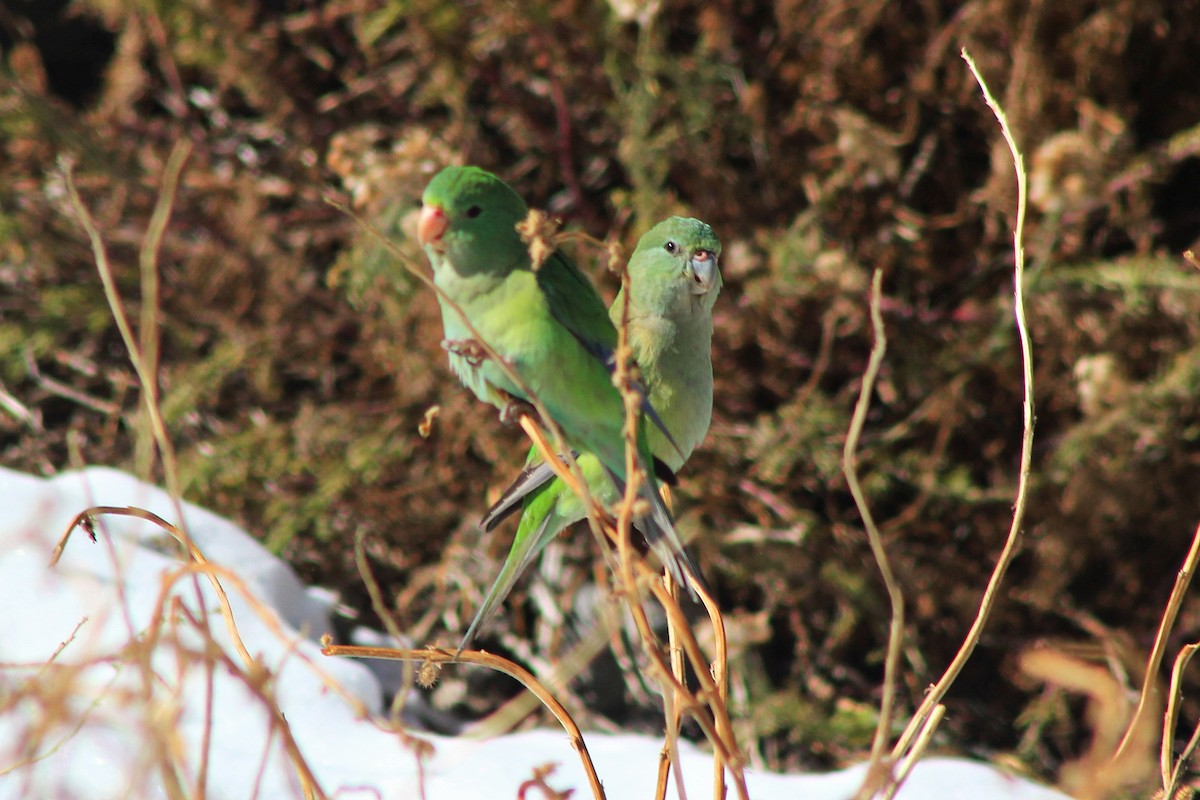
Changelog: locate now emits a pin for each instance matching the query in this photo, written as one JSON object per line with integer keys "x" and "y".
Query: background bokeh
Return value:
{"x": 822, "y": 140}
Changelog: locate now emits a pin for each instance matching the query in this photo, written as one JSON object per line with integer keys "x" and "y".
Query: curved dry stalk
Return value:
{"x": 630, "y": 586}
{"x": 723, "y": 739}
{"x": 672, "y": 714}
{"x": 435, "y": 655}
{"x": 668, "y": 756}
{"x": 713, "y": 718}
{"x": 677, "y": 624}
{"x": 720, "y": 672}
{"x": 1171, "y": 776}
{"x": 717, "y": 670}
{"x": 877, "y": 767}
{"x": 86, "y": 520}
{"x": 706, "y": 706}
{"x": 1182, "y": 580}
{"x": 145, "y": 370}
{"x": 167, "y": 611}
{"x": 924, "y": 737}
{"x": 255, "y": 683}
{"x": 144, "y": 356}
{"x": 938, "y": 691}
{"x": 565, "y": 669}
{"x": 408, "y": 675}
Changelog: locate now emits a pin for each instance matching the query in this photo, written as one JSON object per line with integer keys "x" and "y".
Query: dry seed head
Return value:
{"x": 539, "y": 231}
{"x": 427, "y": 675}
{"x": 426, "y": 425}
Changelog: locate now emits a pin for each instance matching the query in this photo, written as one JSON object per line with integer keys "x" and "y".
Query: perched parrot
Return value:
{"x": 674, "y": 281}
{"x": 548, "y": 323}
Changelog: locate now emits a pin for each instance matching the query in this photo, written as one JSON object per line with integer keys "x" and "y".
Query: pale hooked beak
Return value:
{"x": 432, "y": 225}
{"x": 704, "y": 271}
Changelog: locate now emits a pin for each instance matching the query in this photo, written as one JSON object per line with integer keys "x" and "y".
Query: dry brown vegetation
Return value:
{"x": 822, "y": 140}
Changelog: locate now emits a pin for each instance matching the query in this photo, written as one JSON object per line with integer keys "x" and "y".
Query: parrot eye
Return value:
{"x": 474, "y": 211}
{"x": 670, "y": 247}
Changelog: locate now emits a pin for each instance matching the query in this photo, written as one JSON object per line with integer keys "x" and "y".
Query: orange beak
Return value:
{"x": 432, "y": 225}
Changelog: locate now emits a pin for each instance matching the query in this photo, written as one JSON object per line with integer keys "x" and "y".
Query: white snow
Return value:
{"x": 111, "y": 594}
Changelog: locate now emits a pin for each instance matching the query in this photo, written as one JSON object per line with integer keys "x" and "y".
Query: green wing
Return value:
{"x": 573, "y": 301}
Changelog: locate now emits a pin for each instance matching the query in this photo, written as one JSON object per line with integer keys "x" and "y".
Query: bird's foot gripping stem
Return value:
{"x": 515, "y": 409}
{"x": 467, "y": 349}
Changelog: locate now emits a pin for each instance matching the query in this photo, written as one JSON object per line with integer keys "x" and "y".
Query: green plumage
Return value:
{"x": 548, "y": 324}
{"x": 674, "y": 282}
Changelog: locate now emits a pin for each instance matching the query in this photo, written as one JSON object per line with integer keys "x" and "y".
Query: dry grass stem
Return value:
{"x": 938, "y": 691}
{"x": 633, "y": 573}
{"x": 878, "y": 770}
{"x": 1172, "y": 774}
{"x": 87, "y": 520}
{"x": 720, "y": 672}
{"x": 1182, "y": 581}
{"x": 924, "y": 737}
{"x": 147, "y": 378}
{"x": 511, "y": 713}
{"x": 167, "y": 751}
{"x": 148, "y": 323}
{"x": 409, "y": 676}
{"x": 160, "y": 633}
{"x": 438, "y": 656}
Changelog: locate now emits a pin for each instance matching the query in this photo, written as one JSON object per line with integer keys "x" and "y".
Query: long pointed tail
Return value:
{"x": 525, "y": 549}
{"x": 659, "y": 530}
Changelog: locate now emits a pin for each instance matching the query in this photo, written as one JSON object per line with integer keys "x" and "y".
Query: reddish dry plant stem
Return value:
{"x": 431, "y": 655}
{"x": 713, "y": 718}
{"x": 712, "y": 673}
{"x": 879, "y": 768}
{"x": 251, "y": 672}
{"x": 920, "y": 726}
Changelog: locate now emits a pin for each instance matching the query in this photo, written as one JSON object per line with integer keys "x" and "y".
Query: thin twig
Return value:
{"x": 905, "y": 767}
{"x": 434, "y": 655}
{"x": 938, "y": 691}
{"x": 671, "y": 711}
{"x": 713, "y": 718}
{"x": 408, "y": 674}
{"x": 1170, "y": 777}
{"x": 85, "y": 519}
{"x": 675, "y": 693}
{"x": 878, "y": 770}
{"x": 1154, "y": 662}
{"x": 252, "y": 671}
{"x": 148, "y": 321}
{"x": 720, "y": 672}
{"x": 146, "y": 378}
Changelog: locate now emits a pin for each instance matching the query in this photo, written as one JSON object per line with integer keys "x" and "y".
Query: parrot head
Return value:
{"x": 675, "y": 264}
{"x": 468, "y": 221}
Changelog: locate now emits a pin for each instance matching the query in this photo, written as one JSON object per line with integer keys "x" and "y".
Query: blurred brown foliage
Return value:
{"x": 821, "y": 139}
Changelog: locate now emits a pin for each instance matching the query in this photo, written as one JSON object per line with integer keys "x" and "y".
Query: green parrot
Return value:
{"x": 674, "y": 281}
{"x": 549, "y": 324}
